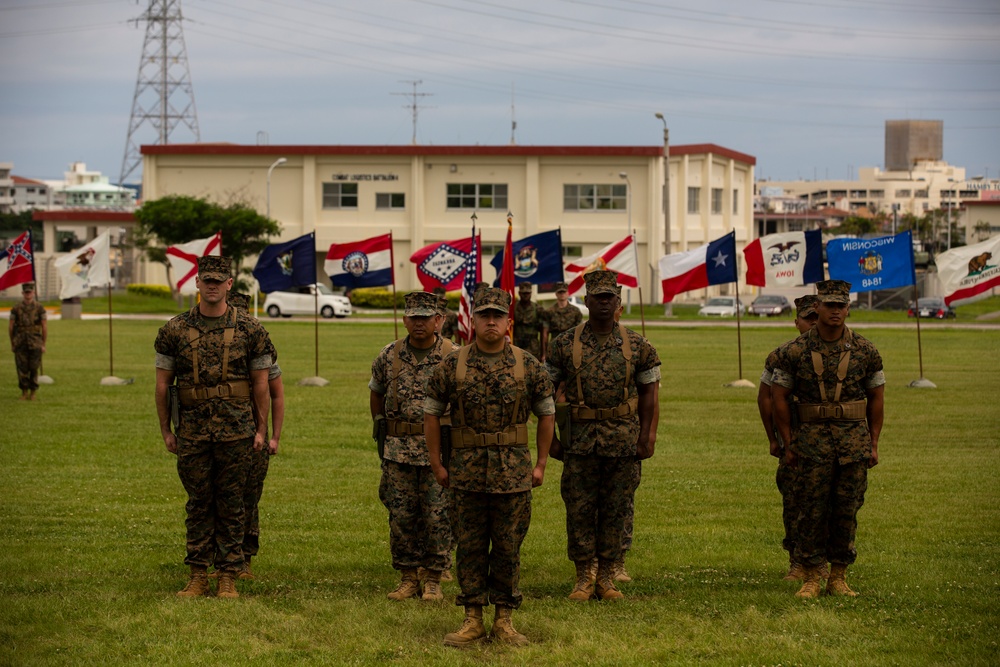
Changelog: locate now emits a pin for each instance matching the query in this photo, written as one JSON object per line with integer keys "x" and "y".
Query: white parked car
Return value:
{"x": 302, "y": 301}
{"x": 722, "y": 306}
{"x": 578, "y": 302}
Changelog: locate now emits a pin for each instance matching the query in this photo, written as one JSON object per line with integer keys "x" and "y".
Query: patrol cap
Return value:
{"x": 28, "y": 287}
{"x": 440, "y": 291}
{"x": 492, "y": 298}
{"x": 524, "y": 287}
{"x": 806, "y": 305}
{"x": 442, "y": 305}
{"x": 238, "y": 300}
{"x": 215, "y": 267}
{"x": 561, "y": 287}
{"x": 421, "y": 304}
{"x": 602, "y": 282}
{"x": 833, "y": 291}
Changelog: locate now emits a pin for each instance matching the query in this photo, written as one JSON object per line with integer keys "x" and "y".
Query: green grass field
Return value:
{"x": 92, "y": 534}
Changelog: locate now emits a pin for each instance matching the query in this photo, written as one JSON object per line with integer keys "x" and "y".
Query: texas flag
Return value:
{"x": 365, "y": 263}
{"x": 442, "y": 264}
{"x": 712, "y": 264}
{"x": 16, "y": 262}
{"x": 789, "y": 259}
{"x": 619, "y": 256}
{"x": 184, "y": 260}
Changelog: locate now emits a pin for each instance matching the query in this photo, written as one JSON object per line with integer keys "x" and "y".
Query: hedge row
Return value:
{"x": 149, "y": 290}
{"x": 380, "y": 297}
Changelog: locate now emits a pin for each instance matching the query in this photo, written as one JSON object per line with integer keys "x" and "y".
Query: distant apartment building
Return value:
{"x": 31, "y": 194}
{"x": 6, "y": 187}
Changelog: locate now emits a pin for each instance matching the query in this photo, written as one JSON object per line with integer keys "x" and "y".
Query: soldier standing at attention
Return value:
{"x": 836, "y": 377}
{"x": 527, "y": 322}
{"x": 562, "y": 316}
{"x": 419, "y": 529}
{"x": 805, "y": 319}
{"x": 491, "y": 387}
{"x": 220, "y": 358}
{"x": 612, "y": 377}
{"x": 449, "y": 318}
{"x": 28, "y": 330}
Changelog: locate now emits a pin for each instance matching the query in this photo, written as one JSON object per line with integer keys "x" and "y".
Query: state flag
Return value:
{"x": 785, "y": 260}
{"x": 712, "y": 264}
{"x": 183, "y": 259}
{"x": 872, "y": 264}
{"x": 86, "y": 267}
{"x": 969, "y": 273}
{"x": 285, "y": 265}
{"x": 619, "y": 256}
{"x": 366, "y": 263}
{"x": 442, "y": 264}
{"x": 17, "y": 263}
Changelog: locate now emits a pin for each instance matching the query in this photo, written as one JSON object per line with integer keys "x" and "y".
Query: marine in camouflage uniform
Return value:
{"x": 219, "y": 357}
{"x": 612, "y": 378}
{"x": 419, "y": 529}
{"x": 836, "y": 377}
{"x": 449, "y": 318}
{"x": 560, "y": 317}
{"x": 527, "y": 322}
{"x": 805, "y": 319}
{"x": 491, "y": 388}
{"x": 28, "y": 330}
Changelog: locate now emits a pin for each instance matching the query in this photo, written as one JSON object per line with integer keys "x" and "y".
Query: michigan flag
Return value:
{"x": 537, "y": 259}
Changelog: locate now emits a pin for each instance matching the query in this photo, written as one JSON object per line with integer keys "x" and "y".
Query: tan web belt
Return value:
{"x": 585, "y": 414}
{"x": 198, "y": 393}
{"x": 398, "y": 428}
{"x": 512, "y": 436}
{"x": 817, "y": 412}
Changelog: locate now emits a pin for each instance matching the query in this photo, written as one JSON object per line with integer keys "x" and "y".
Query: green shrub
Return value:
{"x": 149, "y": 290}
{"x": 381, "y": 297}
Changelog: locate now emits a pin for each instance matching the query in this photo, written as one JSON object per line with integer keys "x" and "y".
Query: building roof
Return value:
{"x": 21, "y": 180}
{"x": 95, "y": 187}
{"x": 83, "y": 215}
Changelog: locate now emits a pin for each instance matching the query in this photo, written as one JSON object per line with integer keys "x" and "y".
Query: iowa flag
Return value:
{"x": 785, "y": 260}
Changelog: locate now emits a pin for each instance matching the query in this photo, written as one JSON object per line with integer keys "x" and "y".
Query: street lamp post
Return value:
{"x": 628, "y": 184}
{"x": 277, "y": 163}
{"x": 669, "y": 309}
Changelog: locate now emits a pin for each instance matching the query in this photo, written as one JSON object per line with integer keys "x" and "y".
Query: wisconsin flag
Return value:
{"x": 183, "y": 259}
{"x": 712, "y": 264}
{"x": 86, "y": 267}
{"x": 785, "y": 260}
{"x": 17, "y": 264}
{"x": 289, "y": 264}
{"x": 619, "y": 256}
{"x": 365, "y": 263}
{"x": 968, "y": 274}
{"x": 442, "y": 264}
{"x": 872, "y": 264}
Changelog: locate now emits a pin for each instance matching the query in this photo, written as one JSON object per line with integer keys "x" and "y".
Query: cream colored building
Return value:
{"x": 425, "y": 194}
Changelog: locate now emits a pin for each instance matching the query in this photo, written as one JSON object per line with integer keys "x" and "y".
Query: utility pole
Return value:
{"x": 413, "y": 106}
{"x": 164, "y": 95}
{"x": 668, "y": 311}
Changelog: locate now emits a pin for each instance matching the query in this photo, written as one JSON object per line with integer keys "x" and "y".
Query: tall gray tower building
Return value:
{"x": 910, "y": 141}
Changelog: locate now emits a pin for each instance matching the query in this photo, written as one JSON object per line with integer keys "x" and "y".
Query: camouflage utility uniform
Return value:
{"x": 449, "y": 328}
{"x": 528, "y": 319}
{"x": 215, "y": 433}
{"x": 27, "y": 321}
{"x": 557, "y": 320}
{"x": 491, "y": 483}
{"x": 419, "y": 529}
{"x": 260, "y": 463}
{"x": 786, "y": 475}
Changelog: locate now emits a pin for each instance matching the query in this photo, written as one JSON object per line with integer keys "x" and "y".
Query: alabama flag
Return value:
{"x": 184, "y": 260}
{"x": 969, "y": 273}
{"x": 442, "y": 264}
{"x": 785, "y": 260}
{"x": 712, "y": 264}
{"x": 365, "y": 263}
{"x": 619, "y": 256}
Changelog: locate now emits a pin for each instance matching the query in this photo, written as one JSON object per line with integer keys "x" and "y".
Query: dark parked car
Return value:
{"x": 770, "y": 304}
{"x": 932, "y": 306}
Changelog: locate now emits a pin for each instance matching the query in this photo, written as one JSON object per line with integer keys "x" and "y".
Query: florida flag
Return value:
{"x": 184, "y": 260}
{"x": 789, "y": 259}
{"x": 365, "y": 263}
{"x": 442, "y": 264}
{"x": 619, "y": 256}
{"x": 17, "y": 264}
{"x": 968, "y": 273}
{"x": 712, "y": 264}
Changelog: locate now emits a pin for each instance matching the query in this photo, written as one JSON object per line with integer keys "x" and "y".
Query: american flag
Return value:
{"x": 473, "y": 274}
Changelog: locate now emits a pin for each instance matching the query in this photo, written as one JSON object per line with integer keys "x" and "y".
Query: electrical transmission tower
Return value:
{"x": 164, "y": 96}
{"x": 413, "y": 106}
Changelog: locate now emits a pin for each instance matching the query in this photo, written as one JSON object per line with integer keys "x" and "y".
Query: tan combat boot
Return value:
{"x": 408, "y": 586}
{"x": 472, "y": 629}
{"x": 592, "y": 571}
{"x": 795, "y": 571}
{"x": 245, "y": 572}
{"x": 584, "y": 588}
{"x": 432, "y": 586}
{"x": 197, "y": 585}
{"x": 227, "y": 585}
{"x": 837, "y": 585}
{"x": 619, "y": 572}
{"x": 812, "y": 582}
{"x": 605, "y": 584}
{"x": 503, "y": 629}
{"x": 446, "y": 575}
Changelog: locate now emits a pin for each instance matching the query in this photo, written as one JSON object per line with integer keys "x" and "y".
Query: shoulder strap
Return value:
{"x": 227, "y": 340}
{"x": 460, "y": 370}
{"x": 397, "y": 368}
{"x": 518, "y": 378}
{"x": 627, "y": 353}
{"x": 578, "y": 360}
{"x": 193, "y": 336}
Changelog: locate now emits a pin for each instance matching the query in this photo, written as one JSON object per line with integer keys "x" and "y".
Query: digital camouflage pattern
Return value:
{"x": 490, "y": 394}
{"x": 216, "y": 420}
{"x": 597, "y": 491}
{"x": 830, "y": 496}
{"x": 528, "y": 321}
{"x": 629, "y": 528}
{"x": 419, "y": 527}
{"x": 260, "y": 461}
{"x": 786, "y": 476}
{"x": 26, "y": 341}
{"x": 602, "y": 373}
{"x": 449, "y": 329}
{"x": 557, "y": 320}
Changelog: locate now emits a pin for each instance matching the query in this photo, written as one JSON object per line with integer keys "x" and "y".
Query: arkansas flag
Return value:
{"x": 712, "y": 264}
{"x": 365, "y": 263}
{"x": 86, "y": 267}
{"x": 620, "y": 257}
{"x": 968, "y": 273}
{"x": 184, "y": 260}
{"x": 785, "y": 260}
{"x": 442, "y": 264}
{"x": 17, "y": 264}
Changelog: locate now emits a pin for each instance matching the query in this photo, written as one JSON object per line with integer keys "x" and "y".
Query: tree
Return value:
{"x": 13, "y": 224}
{"x": 983, "y": 230}
{"x": 178, "y": 219}
{"x": 855, "y": 225}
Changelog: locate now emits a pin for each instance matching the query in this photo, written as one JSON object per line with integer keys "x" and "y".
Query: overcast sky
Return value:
{"x": 805, "y": 86}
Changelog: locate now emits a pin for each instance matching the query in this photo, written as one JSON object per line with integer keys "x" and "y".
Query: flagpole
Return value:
{"x": 642, "y": 314}
{"x": 741, "y": 382}
{"x": 392, "y": 261}
{"x": 111, "y": 338}
{"x": 316, "y": 323}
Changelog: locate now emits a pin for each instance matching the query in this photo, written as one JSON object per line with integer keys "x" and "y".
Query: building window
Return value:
{"x": 694, "y": 200}
{"x": 878, "y": 194}
{"x": 795, "y": 225}
{"x": 717, "y": 201}
{"x": 606, "y": 197}
{"x": 736, "y": 202}
{"x": 902, "y": 193}
{"x": 340, "y": 195}
{"x": 390, "y": 200}
{"x": 478, "y": 195}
